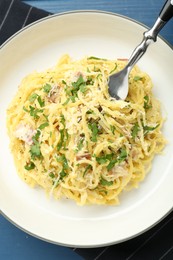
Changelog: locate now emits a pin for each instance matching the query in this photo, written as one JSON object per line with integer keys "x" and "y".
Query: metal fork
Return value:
{"x": 118, "y": 82}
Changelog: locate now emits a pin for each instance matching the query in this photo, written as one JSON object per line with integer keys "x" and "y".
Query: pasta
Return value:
{"x": 70, "y": 137}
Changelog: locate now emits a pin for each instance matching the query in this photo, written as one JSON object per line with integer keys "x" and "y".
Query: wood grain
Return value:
{"x": 144, "y": 12}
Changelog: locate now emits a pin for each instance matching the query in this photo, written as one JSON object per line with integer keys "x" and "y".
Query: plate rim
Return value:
{"x": 84, "y": 246}
{"x": 81, "y": 11}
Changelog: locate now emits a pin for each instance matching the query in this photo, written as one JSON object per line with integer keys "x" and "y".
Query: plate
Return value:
{"x": 38, "y": 47}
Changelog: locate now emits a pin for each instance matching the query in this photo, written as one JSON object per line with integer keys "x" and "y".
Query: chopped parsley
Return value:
{"x": 40, "y": 101}
{"x": 123, "y": 155}
{"x": 148, "y": 129}
{"x": 71, "y": 91}
{"x": 33, "y": 111}
{"x": 60, "y": 144}
{"x": 111, "y": 164}
{"x": 104, "y": 182}
{"x": 112, "y": 158}
{"x": 64, "y": 82}
{"x": 63, "y": 160}
{"x": 52, "y": 175}
{"x": 94, "y": 131}
{"x": 90, "y": 111}
{"x": 113, "y": 70}
{"x": 95, "y": 58}
{"x": 80, "y": 84}
{"x": 35, "y": 151}
{"x": 42, "y": 126}
{"x": 29, "y": 166}
{"x": 113, "y": 128}
{"x": 33, "y": 97}
{"x": 35, "y": 148}
{"x": 80, "y": 143}
{"x": 47, "y": 87}
{"x": 135, "y": 130}
{"x": 46, "y": 117}
{"x": 62, "y": 174}
{"x": 87, "y": 169}
{"x": 36, "y": 136}
{"x": 146, "y": 102}
{"x": 63, "y": 135}
{"x": 137, "y": 78}
{"x": 105, "y": 158}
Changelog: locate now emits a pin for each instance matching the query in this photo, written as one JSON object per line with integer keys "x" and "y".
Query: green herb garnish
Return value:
{"x": 148, "y": 129}
{"x": 113, "y": 128}
{"x": 123, "y": 155}
{"x": 36, "y": 136}
{"x": 52, "y": 175}
{"x": 80, "y": 84}
{"x": 71, "y": 91}
{"x": 112, "y": 158}
{"x": 47, "y": 87}
{"x": 63, "y": 160}
{"x": 94, "y": 131}
{"x": 146, "y": 102}
{"x": 33, "y": 97}
{"x": 95, "y": 58}
{"x": 63, "y": 135}
{"x": 33, "y": 111}
{"x": 80, "y": 144}
{"x": 105, "y": 158}
{"x": 62, "y": 174}
{"x": 35, "y": 148}
{"x": 65, "y": 166}
{"x": 35, "y": 151}
{"x": 60, "y": 144}
{"x": 113, "y": 69}
{"x": 63, "y": 81}
{"x": 135, "y": 130}
{"x": 29, "y": 166}
{"x": 87, "y": 169}
{"x": 111, "y": 164}
{"x": 137, "y": 78}
{"x": 40, "y": 101}
{"x": 42, "y": 126}
{"x": 105, "y": 182}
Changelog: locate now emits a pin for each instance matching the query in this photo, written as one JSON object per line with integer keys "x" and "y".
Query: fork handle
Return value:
{"x": 150, "y": 36}
{"x": 167, "y": 11}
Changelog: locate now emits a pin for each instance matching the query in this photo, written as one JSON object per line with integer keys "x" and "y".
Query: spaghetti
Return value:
{"x": 69, "y": 137}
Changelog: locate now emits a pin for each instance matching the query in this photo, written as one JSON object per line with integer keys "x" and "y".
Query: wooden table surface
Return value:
{"x": 144, "y": 12}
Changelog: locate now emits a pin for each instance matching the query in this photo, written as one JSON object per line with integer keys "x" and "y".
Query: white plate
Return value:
{"x": 38, "y": 47}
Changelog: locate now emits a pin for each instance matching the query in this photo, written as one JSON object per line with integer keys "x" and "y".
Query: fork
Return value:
{"x": 118, "y": 82}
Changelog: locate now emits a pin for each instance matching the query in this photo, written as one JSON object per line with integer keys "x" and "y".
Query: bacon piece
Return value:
{"x": 25, "y": 133}
{"x": 53, "y": 94}
{"x": 122, "y": 59}
{"x": 83, "y": 156}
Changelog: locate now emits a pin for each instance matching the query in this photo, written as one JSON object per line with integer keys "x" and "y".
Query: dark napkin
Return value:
{"x": 157, "y": 243}
{"x": 14, "y": 15}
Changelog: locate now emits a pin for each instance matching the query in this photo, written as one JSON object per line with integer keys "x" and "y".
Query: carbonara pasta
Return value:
{"x": 70, "y": 137}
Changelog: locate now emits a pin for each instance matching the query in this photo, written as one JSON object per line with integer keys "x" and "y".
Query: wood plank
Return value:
{"x": 144, "y": 12}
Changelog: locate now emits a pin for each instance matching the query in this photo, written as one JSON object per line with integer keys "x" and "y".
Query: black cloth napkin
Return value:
{"x": 14, "y": 15}
{"x": 155, "y": 244}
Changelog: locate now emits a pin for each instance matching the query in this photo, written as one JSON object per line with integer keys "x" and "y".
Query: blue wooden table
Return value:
{"x": 14, "y": 243}
{"x": 142, "y": 11}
